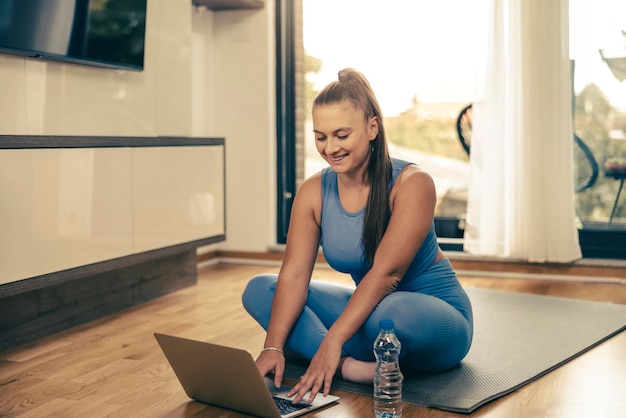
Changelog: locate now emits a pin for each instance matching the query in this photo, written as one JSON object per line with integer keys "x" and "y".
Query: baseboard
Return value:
{"x": 43, "y": 311}
{"x": 603, "y": 270}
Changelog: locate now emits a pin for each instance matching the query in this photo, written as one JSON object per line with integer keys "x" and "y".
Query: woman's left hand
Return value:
{"x": 319, "y": 374}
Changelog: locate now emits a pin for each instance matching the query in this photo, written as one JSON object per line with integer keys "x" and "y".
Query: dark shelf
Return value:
{"x": 217, "y": 5}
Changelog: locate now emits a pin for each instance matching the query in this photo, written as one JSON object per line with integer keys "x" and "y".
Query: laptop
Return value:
{"x": 227, "y": 377}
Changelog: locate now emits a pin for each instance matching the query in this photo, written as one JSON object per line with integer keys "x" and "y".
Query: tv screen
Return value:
{"x": 104, "y": 33}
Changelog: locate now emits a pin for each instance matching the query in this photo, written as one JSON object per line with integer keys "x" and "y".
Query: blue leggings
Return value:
{"x": 435, "y": 335}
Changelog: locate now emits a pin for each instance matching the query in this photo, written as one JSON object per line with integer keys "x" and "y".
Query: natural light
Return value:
{"x": 422, "y": 58}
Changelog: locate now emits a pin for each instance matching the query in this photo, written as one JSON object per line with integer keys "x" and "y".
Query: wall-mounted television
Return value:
{"x": 103, "y": 33}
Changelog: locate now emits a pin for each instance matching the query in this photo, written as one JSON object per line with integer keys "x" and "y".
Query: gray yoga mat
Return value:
{"x": 517, "y": 338}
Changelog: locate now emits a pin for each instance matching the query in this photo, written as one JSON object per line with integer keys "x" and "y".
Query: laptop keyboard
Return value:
{"x": 285, "y": 406}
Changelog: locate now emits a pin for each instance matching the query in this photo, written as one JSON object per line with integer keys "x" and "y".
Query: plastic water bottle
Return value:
{"x": 388, "y": 378}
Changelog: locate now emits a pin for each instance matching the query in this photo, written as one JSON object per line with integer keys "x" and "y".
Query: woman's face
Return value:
{"x": 342, "y": 136}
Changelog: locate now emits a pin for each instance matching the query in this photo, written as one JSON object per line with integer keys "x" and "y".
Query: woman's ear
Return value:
{"x": 372, "y": 127}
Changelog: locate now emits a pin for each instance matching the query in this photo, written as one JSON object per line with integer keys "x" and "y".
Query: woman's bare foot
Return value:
{"x": 339, "y": 371}
{"x": 357, "y": 371}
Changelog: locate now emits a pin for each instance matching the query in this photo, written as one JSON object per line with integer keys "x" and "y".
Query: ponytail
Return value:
{"x": 354, "y": 88}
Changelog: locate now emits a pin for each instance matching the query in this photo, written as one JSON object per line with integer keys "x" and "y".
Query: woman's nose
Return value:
{"x": 332, "y": 146}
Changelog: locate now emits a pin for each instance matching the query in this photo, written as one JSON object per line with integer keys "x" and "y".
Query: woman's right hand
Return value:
{"x": 272, "y": 361}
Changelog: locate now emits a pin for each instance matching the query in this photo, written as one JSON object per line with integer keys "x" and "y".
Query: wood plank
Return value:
{"x": 219, "y": 5}
{"x": 70, "y": 141}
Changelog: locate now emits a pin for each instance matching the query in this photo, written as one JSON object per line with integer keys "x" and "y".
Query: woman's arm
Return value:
{"x": 413, "y": 203}
{"x": 301, "y": 251}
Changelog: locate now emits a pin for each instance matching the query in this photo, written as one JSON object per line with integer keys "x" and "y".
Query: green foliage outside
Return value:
{"x": 312, "y": 66}
{"x": 433, "y": 136}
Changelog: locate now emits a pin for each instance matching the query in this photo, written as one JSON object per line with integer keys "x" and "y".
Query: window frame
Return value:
{"x": 285, "y": 116}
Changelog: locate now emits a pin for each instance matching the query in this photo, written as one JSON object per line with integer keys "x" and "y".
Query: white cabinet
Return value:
{"x": 62, "y": 208}
{"x": 178, "y": 195}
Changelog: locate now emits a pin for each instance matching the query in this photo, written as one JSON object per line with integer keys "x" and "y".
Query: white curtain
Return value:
{"x": 521, "y": 195}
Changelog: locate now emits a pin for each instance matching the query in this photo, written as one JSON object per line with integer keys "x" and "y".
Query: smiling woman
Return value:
{"x": 373, "y": 216}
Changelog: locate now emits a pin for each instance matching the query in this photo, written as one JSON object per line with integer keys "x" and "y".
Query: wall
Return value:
{"x": 206, "y": 74}
{"x": 239, "y": 46}
{"x": 50, "y": 98}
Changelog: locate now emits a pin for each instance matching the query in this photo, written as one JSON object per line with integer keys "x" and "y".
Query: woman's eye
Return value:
{"x": 320, "y": 138}
{"x": 342, "y": 136}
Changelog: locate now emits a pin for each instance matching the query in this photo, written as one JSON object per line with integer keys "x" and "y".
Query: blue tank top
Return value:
{"x": 341, "y": 234}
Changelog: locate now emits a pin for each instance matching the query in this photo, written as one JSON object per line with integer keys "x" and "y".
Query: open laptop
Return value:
{"x": 227, "y": 377}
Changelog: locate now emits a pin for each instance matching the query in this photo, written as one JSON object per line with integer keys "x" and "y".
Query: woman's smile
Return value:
{"x": 336, "y": 159}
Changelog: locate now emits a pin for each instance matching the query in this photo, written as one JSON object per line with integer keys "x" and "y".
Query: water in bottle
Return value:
{"x": 388, "y": 378}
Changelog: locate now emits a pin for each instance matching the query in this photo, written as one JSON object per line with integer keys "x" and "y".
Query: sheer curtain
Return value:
{"x": 521, "y": 192}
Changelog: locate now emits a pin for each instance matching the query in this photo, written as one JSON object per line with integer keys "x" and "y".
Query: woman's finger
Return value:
{"x": 279, "y": 371}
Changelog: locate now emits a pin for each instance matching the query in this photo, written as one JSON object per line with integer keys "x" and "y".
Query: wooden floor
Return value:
{"x": 113, "y": 366}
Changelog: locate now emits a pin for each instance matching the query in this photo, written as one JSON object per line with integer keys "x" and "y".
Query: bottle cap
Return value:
{"x": 386, "y": 324}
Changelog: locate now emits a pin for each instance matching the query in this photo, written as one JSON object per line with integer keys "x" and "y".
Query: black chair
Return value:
{"x": 585, "y": 165}
{"x": 464, "y": 127}
{"x": 616, "y": 169}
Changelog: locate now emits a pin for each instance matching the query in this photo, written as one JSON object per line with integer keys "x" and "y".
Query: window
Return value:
{"x": 421, "y": 60}
{"x": 598, "y": 54}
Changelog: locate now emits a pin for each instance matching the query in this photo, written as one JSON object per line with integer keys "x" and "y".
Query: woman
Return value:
{"x": 373, "y": 217}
